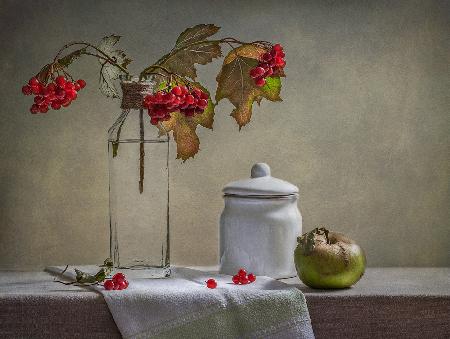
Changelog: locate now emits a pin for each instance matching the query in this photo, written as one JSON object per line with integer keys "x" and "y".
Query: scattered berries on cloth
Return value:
{"x": 118, "y": 282}
{"x": 242, "y": 278}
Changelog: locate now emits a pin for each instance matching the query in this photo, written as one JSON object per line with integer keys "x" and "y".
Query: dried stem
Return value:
{"x": 141, "y": 151}
{"x": 104, "y": 56}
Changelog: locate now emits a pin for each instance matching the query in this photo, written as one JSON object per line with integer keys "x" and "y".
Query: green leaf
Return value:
{"x": 109, "y": 72}
{"x": 235, "y": 84}
{"x": 195, "y": 34}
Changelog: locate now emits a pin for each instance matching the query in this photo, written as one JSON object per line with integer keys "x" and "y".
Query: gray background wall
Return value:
{"x": 363, "y": 129}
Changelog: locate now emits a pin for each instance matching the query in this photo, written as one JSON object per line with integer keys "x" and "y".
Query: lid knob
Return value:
{"x": 260, "y": 169}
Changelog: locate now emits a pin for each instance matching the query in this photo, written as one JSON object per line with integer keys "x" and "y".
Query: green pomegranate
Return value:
{"x": 326, "y": 259}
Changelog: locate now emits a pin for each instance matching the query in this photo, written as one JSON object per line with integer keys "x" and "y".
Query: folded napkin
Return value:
{"x": 183, "y": 307}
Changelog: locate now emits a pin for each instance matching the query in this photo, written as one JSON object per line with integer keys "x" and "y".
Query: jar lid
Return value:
{"x": 261, "y": 184}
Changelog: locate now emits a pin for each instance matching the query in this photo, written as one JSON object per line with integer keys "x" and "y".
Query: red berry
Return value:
{"x": 26, "y": 90}
{"x": 43, "y": 108}
{"x": 42, "y": 89}
{"x": 109, "y": 285}
{"x": 279, "y": 61}
{"x": 38, "y": 100}
{"x": 189, "y": 112}
{"x": 184, "y": 90}
{"x": 71, "y": 94}
{"x": 118, "y": 277}
{"x": 177, "y": 90}
{"x": 77, "y": 86}
{"x": 268, "y": 73}
{"x": 69, "y": 85}
{"x": 204, "y": 96}
{"x": 33, "y": 82}
{"x": 202, "y": 103}
{"x": 257, "y": 72}
{"x": 121, "y": 285}
{"x": 197, "y": 92}
{"x": 251, "y": 277}
{"x": 34, "y": 109}
{"x": 66, "y": 102}
{"x": 60, "y": 93}
{"x": 211, "y": 283}
{"x": 82, "y": 83}
{"x": 56, "y": 105}
{"x": 35, "y": 89}
{"x": 267, "y": 56}
{"x": 277, "y": 47}
{"x": 190, "y": 99}
{"x": 260, "y": 82}
{"x": 60, "y": 81}
{"x": 236, "y": 279}
{"x": 51, "y": 87}
{"x": 242, "y": 273}
{"x": 244, "y": 281}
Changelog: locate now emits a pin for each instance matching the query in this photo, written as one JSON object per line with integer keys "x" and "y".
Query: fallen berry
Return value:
{"x": 251, "y": 277}
{"x": 109, "y": 285}
{"x": 118, "y": 277}
{"x": 211, "y": 283}
{"x": 244, "y": 281}
{"x": 236, "y": 279}
{"x": 121, "y": 285}
{"x": 242, "y": 273}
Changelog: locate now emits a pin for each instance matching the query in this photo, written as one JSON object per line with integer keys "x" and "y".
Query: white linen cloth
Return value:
{"x": 181, "y": 306}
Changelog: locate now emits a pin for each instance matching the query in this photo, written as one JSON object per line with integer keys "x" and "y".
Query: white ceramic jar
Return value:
{"x": 259, "y": 225}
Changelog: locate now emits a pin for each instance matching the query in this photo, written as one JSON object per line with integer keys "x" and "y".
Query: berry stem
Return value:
{"x": 105, "y": 56}
{"x": 141, "y": 151}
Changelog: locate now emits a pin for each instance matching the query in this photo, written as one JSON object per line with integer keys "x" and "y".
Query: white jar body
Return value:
{"x": 260, "y": 234}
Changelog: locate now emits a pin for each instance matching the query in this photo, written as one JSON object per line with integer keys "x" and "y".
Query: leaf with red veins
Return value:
{"x": 235, "y": 83}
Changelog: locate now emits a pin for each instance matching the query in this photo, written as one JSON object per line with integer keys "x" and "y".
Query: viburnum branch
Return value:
{"x": 250, "y": 72}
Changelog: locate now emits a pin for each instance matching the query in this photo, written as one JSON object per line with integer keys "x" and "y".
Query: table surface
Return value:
{"x": 385, "y": 303}
{"x": 376, "y": 281}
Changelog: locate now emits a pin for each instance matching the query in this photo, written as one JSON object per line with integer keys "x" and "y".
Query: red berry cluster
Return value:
{"x": 180, "y": 98}
{"x": 242, "y": 278}
{"x": 270, "y": 63}
{"x": 118, "y": 282}
{"x": 60, "y": 92}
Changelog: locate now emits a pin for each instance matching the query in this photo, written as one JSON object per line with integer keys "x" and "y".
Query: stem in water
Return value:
{"x": 141, "y": 151}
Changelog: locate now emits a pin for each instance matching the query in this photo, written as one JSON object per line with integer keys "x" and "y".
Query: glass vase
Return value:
{"x": 138, "y": 186}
